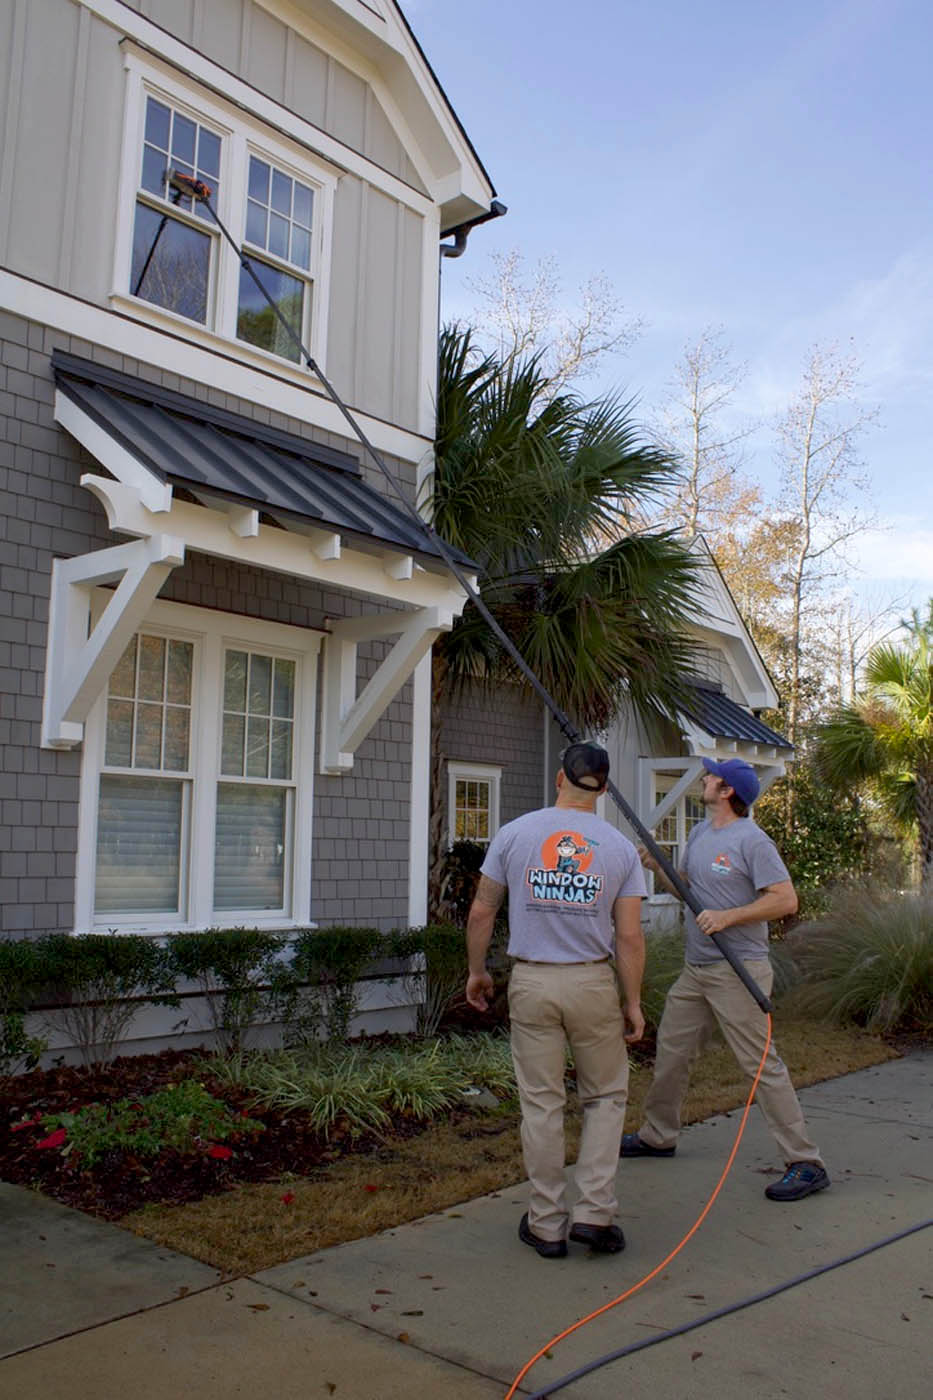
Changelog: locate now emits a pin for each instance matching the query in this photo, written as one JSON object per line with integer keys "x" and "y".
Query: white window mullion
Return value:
{"x": 206, "y": 744}
{"x": 233, "y": 215}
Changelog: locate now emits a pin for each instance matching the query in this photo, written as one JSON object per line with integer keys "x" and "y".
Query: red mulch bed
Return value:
{"x": 120, "y": 1183}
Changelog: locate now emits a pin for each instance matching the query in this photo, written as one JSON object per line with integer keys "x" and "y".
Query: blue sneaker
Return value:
{"x": 801, "y": 1179}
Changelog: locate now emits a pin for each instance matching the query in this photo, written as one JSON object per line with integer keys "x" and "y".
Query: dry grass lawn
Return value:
{"x": 255, "y": 1227}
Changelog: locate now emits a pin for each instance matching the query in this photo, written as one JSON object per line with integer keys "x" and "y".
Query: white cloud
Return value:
{"x": 900, "y": 555}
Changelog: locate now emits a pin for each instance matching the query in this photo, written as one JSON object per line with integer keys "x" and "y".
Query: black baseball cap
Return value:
{"x": 586, "y": 765}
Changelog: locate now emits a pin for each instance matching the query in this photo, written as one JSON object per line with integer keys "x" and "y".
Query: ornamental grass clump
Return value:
{"x": 364, "y": 1088}
{"x": 869, "y": 961}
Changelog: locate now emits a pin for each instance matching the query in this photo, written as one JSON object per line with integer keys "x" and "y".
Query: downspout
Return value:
{"x": 436, "y": 803}
{"x": 461, "y": 232}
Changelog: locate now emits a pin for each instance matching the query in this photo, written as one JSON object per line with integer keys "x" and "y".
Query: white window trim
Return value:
{"x": 240, "y": 135}
{"x": 210, "y": 632}
{"x": 664, "y": 771}
{"x": 487, "y": 773}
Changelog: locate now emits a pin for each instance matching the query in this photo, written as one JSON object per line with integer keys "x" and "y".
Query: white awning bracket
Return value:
{"x": 78, "y": 660}
{"x": 347, "y": 718}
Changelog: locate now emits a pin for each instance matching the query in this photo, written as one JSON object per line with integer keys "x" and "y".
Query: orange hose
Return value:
{"x": 614, "y": 1302}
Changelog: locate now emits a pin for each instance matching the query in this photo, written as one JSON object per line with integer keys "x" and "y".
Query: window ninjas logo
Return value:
{"x": 561, "y": 877}
{"x": 563, "y": 887}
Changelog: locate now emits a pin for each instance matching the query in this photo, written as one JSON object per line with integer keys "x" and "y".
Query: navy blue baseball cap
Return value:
{"x": 740, "y": 776}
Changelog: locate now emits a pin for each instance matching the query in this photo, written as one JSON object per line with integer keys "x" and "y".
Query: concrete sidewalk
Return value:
{"x": 453, "y": 1305}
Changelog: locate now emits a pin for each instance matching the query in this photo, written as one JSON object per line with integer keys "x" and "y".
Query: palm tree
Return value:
{"x": 887, "y": 736}
{"x": 544, "y": 494}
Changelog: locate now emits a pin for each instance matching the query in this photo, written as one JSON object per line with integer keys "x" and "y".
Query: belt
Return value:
{"x": 586, "y": 962}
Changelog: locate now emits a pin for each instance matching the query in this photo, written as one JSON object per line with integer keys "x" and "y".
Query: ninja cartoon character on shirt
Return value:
{"x": 566, "y": 849}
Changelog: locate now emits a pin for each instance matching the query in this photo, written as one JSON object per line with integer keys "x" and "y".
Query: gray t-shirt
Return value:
{"x": 564, "y": 870}
{"x": 728, "y": 866}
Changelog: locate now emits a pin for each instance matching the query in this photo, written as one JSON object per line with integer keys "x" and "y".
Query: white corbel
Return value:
{"x": 325, "y": 544}
{"x": 244, "y": 521}
{"x": 398, "y": 566}
{"x": 79, "y": 660}
{"x": 153, "y": 492}
{"x": 347, "y": 718}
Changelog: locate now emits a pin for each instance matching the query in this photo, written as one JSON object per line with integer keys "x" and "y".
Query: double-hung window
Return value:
{"x": 473, "y": 802}
{"x": 274, "y": 197}
{"x": 196, "y": 800}
{"x": 174, "y": 237}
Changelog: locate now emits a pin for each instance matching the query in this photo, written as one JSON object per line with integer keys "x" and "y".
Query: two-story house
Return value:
{"x": 216, "y": 611}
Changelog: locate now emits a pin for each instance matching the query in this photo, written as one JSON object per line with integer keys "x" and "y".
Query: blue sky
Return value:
{"x": 766, "y": 168}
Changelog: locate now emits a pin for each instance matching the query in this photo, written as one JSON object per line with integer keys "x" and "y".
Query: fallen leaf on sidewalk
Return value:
{"x": 258, "y": 1307}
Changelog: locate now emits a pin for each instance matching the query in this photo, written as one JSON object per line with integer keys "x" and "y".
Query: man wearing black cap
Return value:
{"x": 737, "y": 875}
{"x": 575, "y": 888}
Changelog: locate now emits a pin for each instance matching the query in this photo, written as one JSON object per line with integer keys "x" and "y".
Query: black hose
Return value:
{"x": 572, "y": 734}
{"x": 581, "y": 1371}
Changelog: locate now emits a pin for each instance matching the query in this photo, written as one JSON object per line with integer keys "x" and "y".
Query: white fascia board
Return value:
{"x": 279, "y": 551}
{"x": 384, "y": 53}
{"x": 208, "y": 362}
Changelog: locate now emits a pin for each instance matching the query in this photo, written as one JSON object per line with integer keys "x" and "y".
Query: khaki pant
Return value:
{"x": 552, "y": 1005}
{"x": 700, "y": 995}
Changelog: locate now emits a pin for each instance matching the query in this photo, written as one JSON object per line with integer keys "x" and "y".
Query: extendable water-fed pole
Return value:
{"x": 196, "y": 189}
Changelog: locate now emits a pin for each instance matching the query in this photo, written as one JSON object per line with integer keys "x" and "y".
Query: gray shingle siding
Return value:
{"x": 361, "y": 836}
{"x": 502, "y": 727}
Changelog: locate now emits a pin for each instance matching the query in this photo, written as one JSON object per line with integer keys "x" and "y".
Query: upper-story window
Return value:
{"x": 172, "y": 252}
{"x": 278, "y": 220}
{"x": 275, "y": 199}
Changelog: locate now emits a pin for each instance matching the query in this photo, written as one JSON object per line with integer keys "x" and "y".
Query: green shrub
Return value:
{"x": 240, "y": 972}
{"x": 326, "y": 967}
{"x": 96, "y": 983}
{"x": 20, "y": 987}
{"x": 869, "y": 960}
{"x": 438, "y": 976}
{"x": 182, "y": 1117}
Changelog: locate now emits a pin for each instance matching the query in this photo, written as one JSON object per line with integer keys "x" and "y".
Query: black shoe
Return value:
{"x": 801, "y": 1179}
{"x": 632, "y": 1146}
{"x": 602, "y": 1239}
{"x": 548, "y": 1249}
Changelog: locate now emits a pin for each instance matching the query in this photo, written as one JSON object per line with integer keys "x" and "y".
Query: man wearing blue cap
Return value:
{"x": 734, "y": 870}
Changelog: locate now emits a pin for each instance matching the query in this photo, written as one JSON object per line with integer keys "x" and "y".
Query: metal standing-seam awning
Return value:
{"x": 183, "y": 475}
{"x": 714, "y": 726}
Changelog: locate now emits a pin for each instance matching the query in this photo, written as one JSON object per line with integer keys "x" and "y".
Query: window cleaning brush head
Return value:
{"x": 188, "y": 185}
